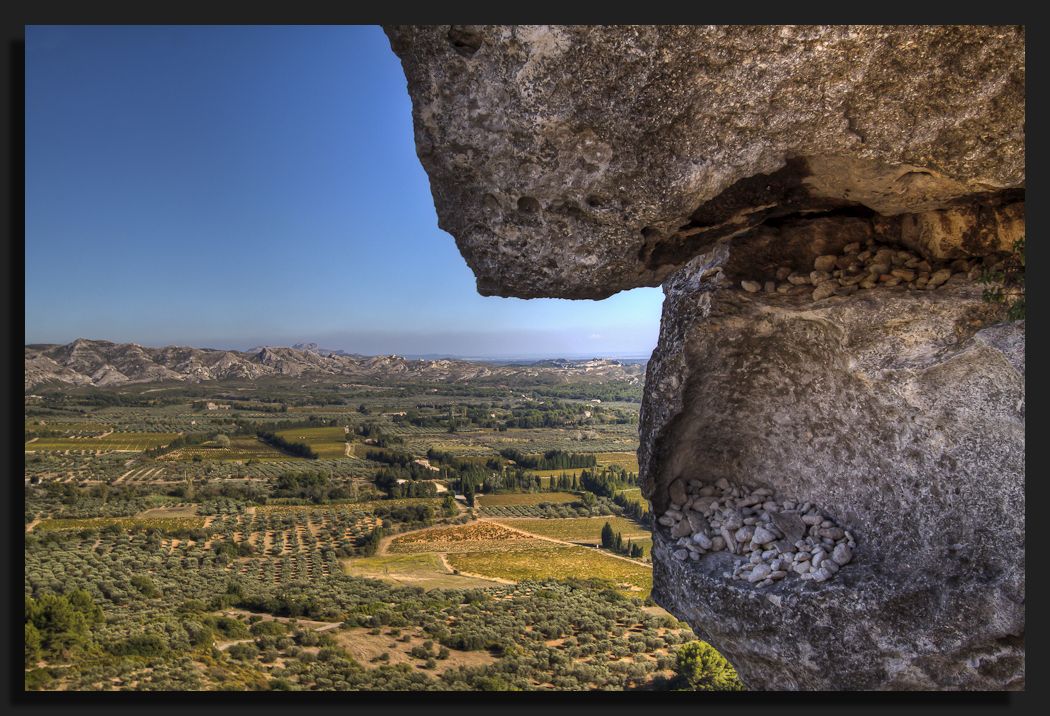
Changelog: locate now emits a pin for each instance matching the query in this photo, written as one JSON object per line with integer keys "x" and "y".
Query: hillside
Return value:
{"x": 103, "y": 363}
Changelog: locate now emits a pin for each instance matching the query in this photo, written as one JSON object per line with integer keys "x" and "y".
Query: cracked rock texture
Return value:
{"x": 576, "y": 162}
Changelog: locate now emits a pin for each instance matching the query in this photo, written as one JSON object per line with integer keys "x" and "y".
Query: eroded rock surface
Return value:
{"x": 579, "y": 161}
{"x": 769, "y": 177}
{"x": 901, "y": 413}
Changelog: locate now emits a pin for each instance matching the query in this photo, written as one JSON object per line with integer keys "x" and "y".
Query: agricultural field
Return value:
{"x": 624, "y": 460}
{"x": 51, "y": 467}
{"x": 553, "y": 561}
{"x": 242, "y": 448}
{"x": 527, "y": 498}
{"x": 328, "y": 442}
{"x": 241, "y": 567}
{"x": 419, "y": 569}
{"x": 104, "y": 442}
{"x": 533, "y": 505}
{"x": 460, "y": 444}
{"x": 466, "y": 538}
{"x": 598, "y": 438}
{"x": 583, "y": 529}
{"x": 161, "y": 524}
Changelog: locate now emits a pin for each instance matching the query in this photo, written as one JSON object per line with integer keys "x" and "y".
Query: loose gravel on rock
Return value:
{"x": 876, "y": 266}
{"x": 775, "y": 539}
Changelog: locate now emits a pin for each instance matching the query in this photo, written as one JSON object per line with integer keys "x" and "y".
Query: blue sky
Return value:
{"x": 236, "y": 186}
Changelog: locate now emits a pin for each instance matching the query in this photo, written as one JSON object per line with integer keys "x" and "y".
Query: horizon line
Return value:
{"x": 616, "y": 355}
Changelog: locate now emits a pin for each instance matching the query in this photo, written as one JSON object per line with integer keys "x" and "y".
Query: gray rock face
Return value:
{"x": 873, "y": 385}
{"x": 901, "y": 414}
{"x": 578, "y": 161}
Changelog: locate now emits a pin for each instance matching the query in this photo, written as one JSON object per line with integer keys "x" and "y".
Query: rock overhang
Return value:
{"x": 578, "y": 161}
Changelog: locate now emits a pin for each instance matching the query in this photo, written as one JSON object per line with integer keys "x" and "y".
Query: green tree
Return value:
{"x": 608, "y": 537}
{"x": 448, "y": 505}
{"x": 62, "y": 622}
{"x": 701, "y": 668}
{"x": 33, "y": 644}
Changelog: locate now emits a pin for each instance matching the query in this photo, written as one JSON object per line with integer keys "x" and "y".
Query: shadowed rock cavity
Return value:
{"x": 580, "y": 161}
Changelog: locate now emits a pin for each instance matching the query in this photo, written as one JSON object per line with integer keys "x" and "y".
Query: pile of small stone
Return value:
{"x": 774, "y": 539}
{"x": 877, "y": 265}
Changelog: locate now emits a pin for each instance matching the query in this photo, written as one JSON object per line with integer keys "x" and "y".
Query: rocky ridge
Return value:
{"x": 102, "y": 363}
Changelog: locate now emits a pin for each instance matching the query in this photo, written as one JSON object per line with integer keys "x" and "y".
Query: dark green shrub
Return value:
{"x": 701, "y": 668}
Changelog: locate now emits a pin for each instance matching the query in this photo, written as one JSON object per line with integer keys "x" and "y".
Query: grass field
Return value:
{"x": 326, "y": 442}
{"x": 627, "y": 460}
{"x": 634, "y": 494}
{"x": 527, "y": 498}
{"x": 242, "y": 447}
{"x": 424, "y": 569}
{"x": 551, "y": 561}
{"x": 577, "y": 529}
{"x": 125, "y": 442}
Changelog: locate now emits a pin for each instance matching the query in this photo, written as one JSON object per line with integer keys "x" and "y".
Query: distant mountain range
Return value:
{"x": 102, "y": 363}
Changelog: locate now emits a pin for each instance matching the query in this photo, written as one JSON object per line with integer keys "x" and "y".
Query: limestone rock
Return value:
{"x": 790, "y": 524}
{"x": 841, "y": 555}
{"x": 763, "y": 536}
{"x": 697, "y": 522}
{"x": 578, "y": 161}
{"x": 933, "y": 369}
{"x": 677, "y": 492}
{"x": 681, "y": 529}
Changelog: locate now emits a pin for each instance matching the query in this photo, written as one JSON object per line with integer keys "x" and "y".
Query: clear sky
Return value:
{"x": 235, "y": 186}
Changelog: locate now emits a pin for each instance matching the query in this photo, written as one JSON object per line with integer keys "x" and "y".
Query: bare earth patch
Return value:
{"x": 364, "y": 647}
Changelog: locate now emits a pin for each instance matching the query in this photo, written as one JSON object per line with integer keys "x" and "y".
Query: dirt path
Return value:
{"x": 31, "y": 525}
{"x": 561, "y": 541}
{"x": 384, "y": 544}
{"x": 99, "y": 437}
{"x": 224, "y": 645}
{"x": 31, "y": 440}
{"x": 346, "y": 452}
{"x": 443, "y": 556}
